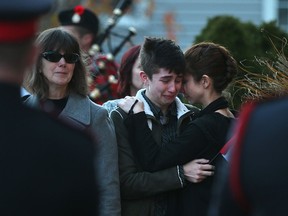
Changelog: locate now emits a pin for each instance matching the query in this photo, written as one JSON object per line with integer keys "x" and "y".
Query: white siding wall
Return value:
{"x": 191, "y": 16}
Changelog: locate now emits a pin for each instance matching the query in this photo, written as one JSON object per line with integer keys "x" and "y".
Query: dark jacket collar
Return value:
{"x": 220, "y": 103}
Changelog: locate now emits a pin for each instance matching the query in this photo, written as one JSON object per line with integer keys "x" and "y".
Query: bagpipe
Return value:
{"x": 103, "y": 77}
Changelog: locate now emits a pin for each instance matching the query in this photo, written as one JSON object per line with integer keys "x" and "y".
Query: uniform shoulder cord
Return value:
{"x": 234, "y": 176}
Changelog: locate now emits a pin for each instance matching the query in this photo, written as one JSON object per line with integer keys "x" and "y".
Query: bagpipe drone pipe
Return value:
{"x": 103, "y": 77}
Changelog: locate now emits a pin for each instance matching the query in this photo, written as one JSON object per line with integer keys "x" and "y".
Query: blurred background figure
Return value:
{"x": 82, "y": 23}
{"x": 129, "y": 76}
{"x": 255, "y": 183}
{"x": 103, "y": 73}
{"x": 58, "y": 86}
{"x": 129, "y": 72}
{"x": 47, "y": 167}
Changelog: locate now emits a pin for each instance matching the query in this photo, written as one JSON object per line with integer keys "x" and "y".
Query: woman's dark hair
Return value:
{"x": 213, "y": 60}
{"x": 56, "y": 39}
{"x": 125, "y": 70}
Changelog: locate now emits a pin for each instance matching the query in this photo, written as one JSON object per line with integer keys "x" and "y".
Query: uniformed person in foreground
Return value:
{"x": 47, "y": 167}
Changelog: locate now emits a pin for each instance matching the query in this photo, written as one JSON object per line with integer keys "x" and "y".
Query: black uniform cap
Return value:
{"x": 19, "y": 18}
{"x": 80, "y": 16}
{"x": 11, "y": 10}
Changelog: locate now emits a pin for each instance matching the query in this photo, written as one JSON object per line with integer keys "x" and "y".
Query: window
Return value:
{"x": 283, "y": 14}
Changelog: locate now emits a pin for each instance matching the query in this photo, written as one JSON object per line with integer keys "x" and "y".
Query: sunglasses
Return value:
{"x": 54, "y": 56}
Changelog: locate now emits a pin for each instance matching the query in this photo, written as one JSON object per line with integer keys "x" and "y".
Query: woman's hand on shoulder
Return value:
{"x": 131, "y": 104}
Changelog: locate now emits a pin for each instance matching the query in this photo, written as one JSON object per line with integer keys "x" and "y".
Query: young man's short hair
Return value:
{"x": 159, "y": 53}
